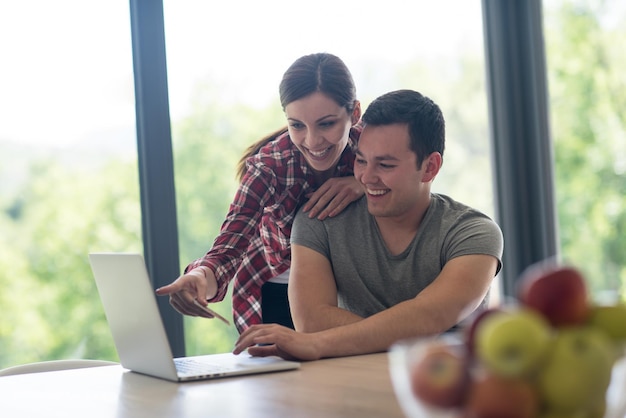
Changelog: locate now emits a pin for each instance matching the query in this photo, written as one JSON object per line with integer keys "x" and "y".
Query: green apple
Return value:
{"x": 577, "y": 373}
{"x": 598, "y": 410}
{"x": 513, "y": 343}
{"x": 578, "y": 414}
{"x": 610, "y": 319}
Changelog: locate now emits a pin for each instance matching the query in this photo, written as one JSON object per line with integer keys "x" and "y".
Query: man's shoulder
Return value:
{"x": 447, "y": 204}
{"x": 353, "y": 213}
{"x": 454, "y": 215}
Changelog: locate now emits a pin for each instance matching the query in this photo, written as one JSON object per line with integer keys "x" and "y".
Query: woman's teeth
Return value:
{"x": 319, "y": 154}
{"x": 376, "y": 192}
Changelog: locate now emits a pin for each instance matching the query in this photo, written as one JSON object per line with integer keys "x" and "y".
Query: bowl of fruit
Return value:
{"x": 552, "y": 354}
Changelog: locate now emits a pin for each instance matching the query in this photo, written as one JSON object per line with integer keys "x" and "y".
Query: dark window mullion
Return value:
{"x": 156, "y": 168}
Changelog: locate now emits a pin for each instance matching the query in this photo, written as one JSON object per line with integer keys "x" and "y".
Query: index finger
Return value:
{"x": 173, "y": 287}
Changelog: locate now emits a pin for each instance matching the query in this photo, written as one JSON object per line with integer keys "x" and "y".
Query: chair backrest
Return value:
{"x": 48, "y": 366}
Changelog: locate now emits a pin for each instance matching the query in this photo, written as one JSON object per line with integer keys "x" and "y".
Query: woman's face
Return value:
{"x": 319, "y": 128}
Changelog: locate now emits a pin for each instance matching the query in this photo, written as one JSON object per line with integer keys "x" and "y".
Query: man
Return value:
{"x": 401, "y": 262}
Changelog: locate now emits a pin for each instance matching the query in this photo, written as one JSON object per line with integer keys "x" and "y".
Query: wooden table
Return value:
{"x": 346, "y": 387}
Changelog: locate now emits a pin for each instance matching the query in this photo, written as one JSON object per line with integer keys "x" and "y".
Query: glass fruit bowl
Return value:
{"x": 405, "y": 356}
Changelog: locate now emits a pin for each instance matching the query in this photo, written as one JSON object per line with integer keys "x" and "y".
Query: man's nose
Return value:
{"x": 367, "y": 175}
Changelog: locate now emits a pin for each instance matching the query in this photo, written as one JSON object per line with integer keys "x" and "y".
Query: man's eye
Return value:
{"x": 387, "y": 165}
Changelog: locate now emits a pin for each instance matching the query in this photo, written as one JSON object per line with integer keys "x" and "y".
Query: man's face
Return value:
{"x": 387, "y": 168}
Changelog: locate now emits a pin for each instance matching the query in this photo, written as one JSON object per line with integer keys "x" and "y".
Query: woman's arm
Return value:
{"x": 208, "y": 277}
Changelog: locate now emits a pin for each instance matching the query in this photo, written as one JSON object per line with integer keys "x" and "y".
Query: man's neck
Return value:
{"x": 399, "y": 231}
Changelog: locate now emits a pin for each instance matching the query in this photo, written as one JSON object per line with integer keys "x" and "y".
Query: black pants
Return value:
{"x": 275, "y": 304}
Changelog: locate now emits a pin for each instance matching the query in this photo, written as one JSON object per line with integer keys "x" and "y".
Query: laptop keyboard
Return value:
{"x": 191, "y": 366}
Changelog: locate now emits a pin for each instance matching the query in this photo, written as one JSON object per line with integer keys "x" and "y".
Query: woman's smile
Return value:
{"x": 321, "y": 154}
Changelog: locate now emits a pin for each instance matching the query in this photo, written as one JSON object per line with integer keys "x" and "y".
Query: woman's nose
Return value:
{"x": 313, "y": 139}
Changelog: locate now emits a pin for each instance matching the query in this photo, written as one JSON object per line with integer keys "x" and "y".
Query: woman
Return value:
{"x": 310, "y": 159}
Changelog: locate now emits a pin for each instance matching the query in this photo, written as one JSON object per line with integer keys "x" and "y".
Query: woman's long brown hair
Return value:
{"x": 254, "y": 148}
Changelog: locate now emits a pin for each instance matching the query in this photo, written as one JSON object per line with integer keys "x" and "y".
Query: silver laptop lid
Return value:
{"x": 131, "y": 309}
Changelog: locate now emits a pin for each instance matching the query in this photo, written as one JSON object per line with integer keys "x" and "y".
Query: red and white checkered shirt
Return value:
{"x": 253, "y": 244}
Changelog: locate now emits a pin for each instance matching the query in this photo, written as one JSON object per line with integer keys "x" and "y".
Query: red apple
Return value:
{"x": 441, "y": 376}
{"x": 492, "y": 396}
{"x": 559, "y": 293}
{"x": 469, "y": 332}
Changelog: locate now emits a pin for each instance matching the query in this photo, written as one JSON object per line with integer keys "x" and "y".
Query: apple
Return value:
{"x": 441, "y": 376}
{"x": 469, "y": 332}
{"x": 577, "y": 373}
{"x": 610, "y": 319}
{"x": 597, "y": 411}
{"x": 513, "y": 343}
{"x": 557, "y": 414}
{"x": 493, "y": 396}
{"x": 559, "y": 293}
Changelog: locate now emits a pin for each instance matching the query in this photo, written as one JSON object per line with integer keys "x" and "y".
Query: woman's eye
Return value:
{"x": 296, "y": 125}
{"x": 327, "y": 124}
{"x": 359, "y": 161}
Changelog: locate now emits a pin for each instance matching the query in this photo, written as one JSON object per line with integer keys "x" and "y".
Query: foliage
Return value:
{"x": 51, "y": 305}
{"x": 588, "y": 98}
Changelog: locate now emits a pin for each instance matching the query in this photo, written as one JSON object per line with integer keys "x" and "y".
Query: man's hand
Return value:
{"x": 276, "y": 340}
{"x": 333, "y": 196}
{"x": 198, "y": 285}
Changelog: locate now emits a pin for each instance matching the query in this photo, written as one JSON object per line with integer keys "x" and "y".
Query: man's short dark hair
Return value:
{"x": 424, "y": 119}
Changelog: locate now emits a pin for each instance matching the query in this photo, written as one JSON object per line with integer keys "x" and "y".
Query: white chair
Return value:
{"x": 48, "y": 366}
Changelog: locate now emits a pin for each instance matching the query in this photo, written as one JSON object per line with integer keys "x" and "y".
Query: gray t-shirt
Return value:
{"x": 370, "y": 279}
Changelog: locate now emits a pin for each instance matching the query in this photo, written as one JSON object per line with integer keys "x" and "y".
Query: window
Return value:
{"x": 68, "y": 172}
{"x": 225, "y": 61}
{"x": 587, "y": 99}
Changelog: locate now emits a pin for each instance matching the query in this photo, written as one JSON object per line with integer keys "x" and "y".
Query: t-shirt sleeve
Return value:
{"x": 310, "y": 233}
{"x": 475, "y": 234}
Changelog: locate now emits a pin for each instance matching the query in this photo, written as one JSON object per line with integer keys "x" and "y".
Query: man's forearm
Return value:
{"x": 378, "y": 332}
{"x": 323, "y": 318}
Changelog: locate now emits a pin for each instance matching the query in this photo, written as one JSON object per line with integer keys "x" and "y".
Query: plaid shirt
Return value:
{"x": 253, "y": 245}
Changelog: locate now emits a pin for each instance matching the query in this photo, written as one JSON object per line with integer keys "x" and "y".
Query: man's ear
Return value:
{"x": 356, "y": 112}
{"x": 431, "y": 165}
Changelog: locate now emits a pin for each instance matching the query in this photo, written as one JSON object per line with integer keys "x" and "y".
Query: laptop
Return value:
{"x": 131, "y": 310}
